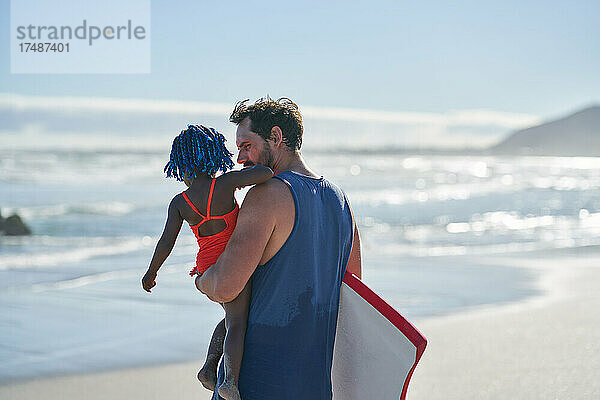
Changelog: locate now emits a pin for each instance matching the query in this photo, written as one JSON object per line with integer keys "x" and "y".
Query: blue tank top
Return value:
{"x": 295, "y": 297}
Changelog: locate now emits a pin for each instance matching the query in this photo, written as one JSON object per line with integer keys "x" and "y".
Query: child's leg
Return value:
{"x": 236, "y": 318}
{"x": 208, "y": 373}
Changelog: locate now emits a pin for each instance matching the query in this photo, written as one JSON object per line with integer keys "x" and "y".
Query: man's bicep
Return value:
{"x": 250, "y": 236}
{"x": 253, "y": 230}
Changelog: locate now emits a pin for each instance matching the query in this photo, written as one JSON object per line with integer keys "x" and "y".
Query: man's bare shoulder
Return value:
{"x": 272, "y": 203}
{"x": 272, "y": 192}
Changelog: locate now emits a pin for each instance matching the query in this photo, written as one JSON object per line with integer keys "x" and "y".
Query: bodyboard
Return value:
{"x": 376, "y": 349}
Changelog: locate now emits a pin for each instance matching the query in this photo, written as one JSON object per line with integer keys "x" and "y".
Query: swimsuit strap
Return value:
{"x": 187, "y": 199}
{"x": 207, "y": 217}
{"x": 210, "y": 194}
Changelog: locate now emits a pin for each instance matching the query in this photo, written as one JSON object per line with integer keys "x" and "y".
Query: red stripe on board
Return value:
{"x": 394, "y": 317}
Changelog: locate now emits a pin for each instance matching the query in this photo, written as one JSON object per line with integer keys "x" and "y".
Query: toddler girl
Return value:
{"x": 197, "y": 154}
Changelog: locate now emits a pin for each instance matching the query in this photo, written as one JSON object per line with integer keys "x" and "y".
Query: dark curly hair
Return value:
{"x": 266, "y": 113}
{"x": 198, "y": 150}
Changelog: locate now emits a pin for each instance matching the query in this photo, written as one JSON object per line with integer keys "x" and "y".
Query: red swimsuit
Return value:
{"x": 211, "y": 247}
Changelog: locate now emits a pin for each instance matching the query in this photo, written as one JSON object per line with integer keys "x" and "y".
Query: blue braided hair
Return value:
{"x": 198, "y": 150}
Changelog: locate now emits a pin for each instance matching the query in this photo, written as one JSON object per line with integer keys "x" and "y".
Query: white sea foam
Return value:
{"x": 48, "y": 259}
{"x": 108, "y": 208}
{"x": 82, "y": 165}
{"x": 65, "y": 250}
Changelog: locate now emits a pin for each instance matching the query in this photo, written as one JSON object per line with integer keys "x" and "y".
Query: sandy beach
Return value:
{"x": 545, "y": 347}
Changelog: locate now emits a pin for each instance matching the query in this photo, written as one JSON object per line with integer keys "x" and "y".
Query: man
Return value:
{"x": 295, "y": 236}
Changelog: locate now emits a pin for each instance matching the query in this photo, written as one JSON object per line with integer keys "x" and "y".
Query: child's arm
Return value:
{"x": 164, "y": 246}
{"x": 247, "y": 176}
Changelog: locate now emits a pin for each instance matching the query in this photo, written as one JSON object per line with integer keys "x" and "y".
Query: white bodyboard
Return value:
{"x": 376, "y": 349}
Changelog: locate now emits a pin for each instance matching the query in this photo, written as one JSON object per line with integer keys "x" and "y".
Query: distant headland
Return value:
{"x": 577, "y": 134}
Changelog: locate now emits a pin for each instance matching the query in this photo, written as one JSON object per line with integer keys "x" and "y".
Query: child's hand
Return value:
{"x": 149, "y": 281}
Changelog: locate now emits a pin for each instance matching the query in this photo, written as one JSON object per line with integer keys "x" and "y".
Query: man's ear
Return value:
{"x": 276, "y": 136}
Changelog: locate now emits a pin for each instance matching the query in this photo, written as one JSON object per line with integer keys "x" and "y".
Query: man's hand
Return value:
{"x": 149, "y": 281}
{"x": 197, "y": 283}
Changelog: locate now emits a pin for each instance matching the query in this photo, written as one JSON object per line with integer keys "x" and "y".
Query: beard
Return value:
{"x": 265, "y": 158}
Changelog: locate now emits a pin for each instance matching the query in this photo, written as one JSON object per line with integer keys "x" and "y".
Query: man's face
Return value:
{"x": 253, "y": 149}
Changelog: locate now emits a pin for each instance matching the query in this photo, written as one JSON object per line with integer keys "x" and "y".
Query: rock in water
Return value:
{"x": 14, "y": 226}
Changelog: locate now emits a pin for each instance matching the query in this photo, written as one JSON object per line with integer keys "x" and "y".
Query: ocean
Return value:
{"x": 431, "y": 228}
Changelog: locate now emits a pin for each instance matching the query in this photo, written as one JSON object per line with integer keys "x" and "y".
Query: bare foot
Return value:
{"x": 229, "y": 391}
{"x": 208, "y": 375}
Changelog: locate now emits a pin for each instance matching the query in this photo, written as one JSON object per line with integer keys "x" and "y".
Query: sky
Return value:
{"x": 539, "y": 58}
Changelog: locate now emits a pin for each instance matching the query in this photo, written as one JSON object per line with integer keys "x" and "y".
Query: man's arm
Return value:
{"x": 355, "y": 261}
{"x": 223, "y": 281}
